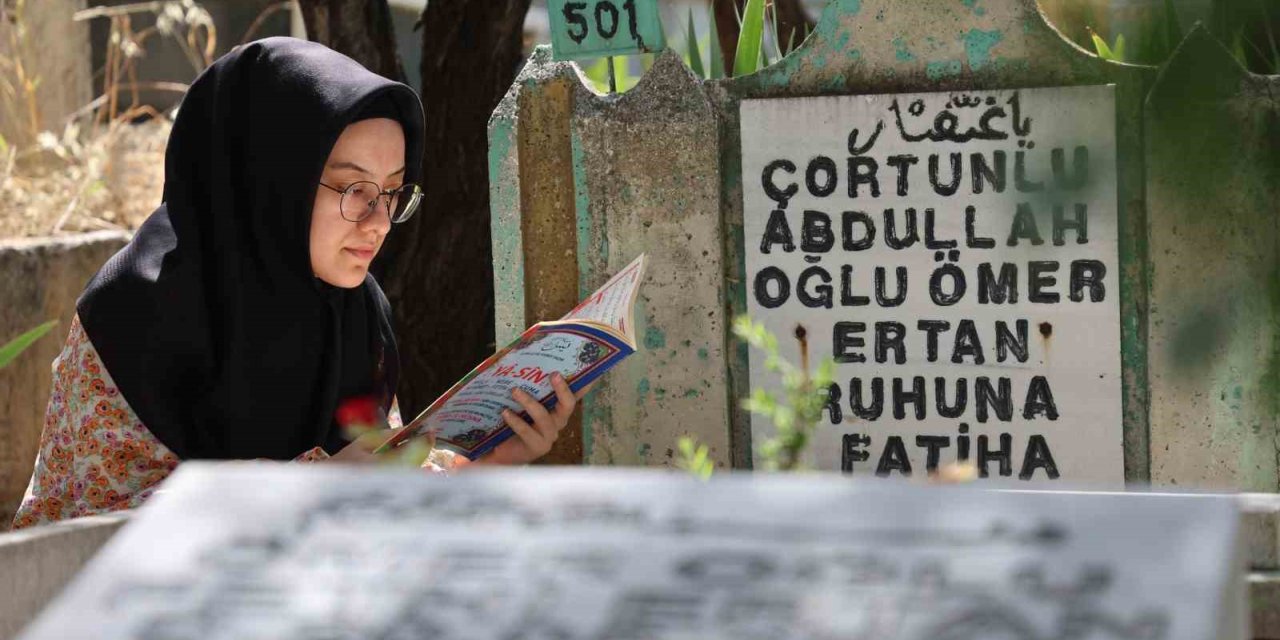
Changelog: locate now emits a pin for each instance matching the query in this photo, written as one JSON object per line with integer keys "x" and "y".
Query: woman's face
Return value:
{"x": 369, "y": 150}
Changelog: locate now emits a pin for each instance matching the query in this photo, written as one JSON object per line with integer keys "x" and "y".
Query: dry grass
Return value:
{"x": 111, "y": 180}
{"x": 99, "y": 171}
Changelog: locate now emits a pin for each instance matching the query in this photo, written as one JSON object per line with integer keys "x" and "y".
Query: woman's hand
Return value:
{"x": 360, "y": 451}
{"x": 533, "y": 441}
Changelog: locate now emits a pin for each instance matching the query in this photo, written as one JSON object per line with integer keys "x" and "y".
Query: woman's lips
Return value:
{"x": 363, "y": 254}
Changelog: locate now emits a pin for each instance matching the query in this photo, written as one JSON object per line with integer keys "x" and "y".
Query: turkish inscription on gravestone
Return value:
{"x": 957, "y": 255}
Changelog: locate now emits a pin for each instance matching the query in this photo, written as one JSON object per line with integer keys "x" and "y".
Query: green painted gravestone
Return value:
{"x": 955, "y": 200}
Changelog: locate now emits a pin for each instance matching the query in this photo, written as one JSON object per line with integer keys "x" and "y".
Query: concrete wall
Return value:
{"x": 36, "y": 563}
{"x": 41, "y": 280}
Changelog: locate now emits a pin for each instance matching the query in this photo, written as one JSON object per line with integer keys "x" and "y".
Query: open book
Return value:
{"x": 581, "y": 346}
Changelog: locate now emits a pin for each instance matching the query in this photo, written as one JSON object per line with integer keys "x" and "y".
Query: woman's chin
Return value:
{"x": 348, "y": 278}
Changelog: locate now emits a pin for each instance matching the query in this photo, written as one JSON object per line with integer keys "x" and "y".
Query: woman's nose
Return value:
{"x": 379, "y": 220}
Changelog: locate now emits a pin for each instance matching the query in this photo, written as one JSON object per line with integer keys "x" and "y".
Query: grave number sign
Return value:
{"x": 594, "y": 28}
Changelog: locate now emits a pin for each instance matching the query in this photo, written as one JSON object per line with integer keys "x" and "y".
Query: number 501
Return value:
{"x": 591, "y": 28}
{"x": 606, "y": 20}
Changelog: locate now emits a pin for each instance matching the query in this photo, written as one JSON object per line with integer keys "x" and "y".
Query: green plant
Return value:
{"x": 804, "y": 395}
{"x": 695, "y": 458}
{"x": 15, "y": 347}
{"x": 1113, "y": 52}
{"x": 757, "y": 19}
{"x": 1235, "y": 24}
{"x": 750, "y": 51}
{"x": 795, "y": 415}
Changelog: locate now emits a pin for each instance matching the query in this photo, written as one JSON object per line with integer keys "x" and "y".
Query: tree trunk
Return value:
{"x": 440, "y": 274}
{"x": 725, "y": 13}
{"x": 794, "y": 24}
{"x": 360, "y": 29}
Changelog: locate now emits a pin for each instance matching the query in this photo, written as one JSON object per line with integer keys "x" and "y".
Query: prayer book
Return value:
{"x": 584, "y": 344}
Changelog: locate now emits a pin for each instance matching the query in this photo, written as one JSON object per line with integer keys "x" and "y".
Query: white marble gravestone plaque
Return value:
{"x": 250, "y": 551}
{"x": 957, "y": 254}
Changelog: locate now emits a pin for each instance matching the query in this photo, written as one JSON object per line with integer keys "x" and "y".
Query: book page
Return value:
{"x": 611, "y": 304}
{"x": 468, "y": 418}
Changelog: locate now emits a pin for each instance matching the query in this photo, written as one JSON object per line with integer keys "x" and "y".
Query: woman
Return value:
{"x": 242, "y": 312}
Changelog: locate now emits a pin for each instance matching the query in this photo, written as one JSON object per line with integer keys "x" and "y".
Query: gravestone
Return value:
{"x": 881, "y": 52}
{"x": 663, "y": 169}
{"x": 271, "y": 551}
{"x": 956, "y": 254}
{"x": 1213, "y": 166}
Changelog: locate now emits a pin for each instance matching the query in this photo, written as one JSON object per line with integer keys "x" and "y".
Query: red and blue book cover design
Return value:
{"x": 584, "y": 344}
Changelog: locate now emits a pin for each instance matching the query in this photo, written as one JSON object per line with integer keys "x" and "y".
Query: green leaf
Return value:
{"x": 19, "y": 344}
{"x": 1271, "y": 39}
{"x": 695, "y": 53}
{"x": 695, "y": 458}
{"x": 1118, "y": 49}
{"x": 598, "y": 73}
{"x": 826, "y": 372}
{"x": 750, "y": 38}
{"x": 4, "y": 146}
{"x": 713, "y": 48}
{"x": 685, "y": 443}
{"x": 777, "y": 36}
{"x": 1101, "y": 47}
{"x": 1237, "y": 49}
{"x": 626, "y": 80}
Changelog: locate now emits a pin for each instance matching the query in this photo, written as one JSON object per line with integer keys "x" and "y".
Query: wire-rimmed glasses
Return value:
{"x": 361, "y": 199}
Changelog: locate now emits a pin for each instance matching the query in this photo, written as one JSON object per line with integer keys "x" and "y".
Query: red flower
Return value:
{"x": 359, "y": 411}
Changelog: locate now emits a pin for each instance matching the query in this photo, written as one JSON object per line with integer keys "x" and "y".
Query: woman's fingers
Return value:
{"x": 533, "y": 440}
{"x": 542, "y": 420}
{"x": 565, "y": 402}
{"x": 546, "y": 425}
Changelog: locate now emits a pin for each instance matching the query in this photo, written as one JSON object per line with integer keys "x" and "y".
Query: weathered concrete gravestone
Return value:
{"x": 1213, "y": 190}
{"x": 675, "y": 167}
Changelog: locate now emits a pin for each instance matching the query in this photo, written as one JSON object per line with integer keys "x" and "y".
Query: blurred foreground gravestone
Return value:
{"x": 266, "y": 551}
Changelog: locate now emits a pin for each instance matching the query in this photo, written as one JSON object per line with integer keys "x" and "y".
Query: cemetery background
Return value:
{"x": 1198, "y": 295}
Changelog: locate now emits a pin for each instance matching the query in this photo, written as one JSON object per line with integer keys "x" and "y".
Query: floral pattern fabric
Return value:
{"x": 96, "y": 456}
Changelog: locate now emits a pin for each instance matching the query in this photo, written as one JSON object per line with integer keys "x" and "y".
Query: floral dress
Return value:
{"x": 96, "y": 456}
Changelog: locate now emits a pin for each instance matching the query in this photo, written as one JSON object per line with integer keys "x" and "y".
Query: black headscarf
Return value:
{"x": 210, "y": 321}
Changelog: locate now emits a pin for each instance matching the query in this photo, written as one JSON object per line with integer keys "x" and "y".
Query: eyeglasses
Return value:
{"x": 361, "y": 199}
